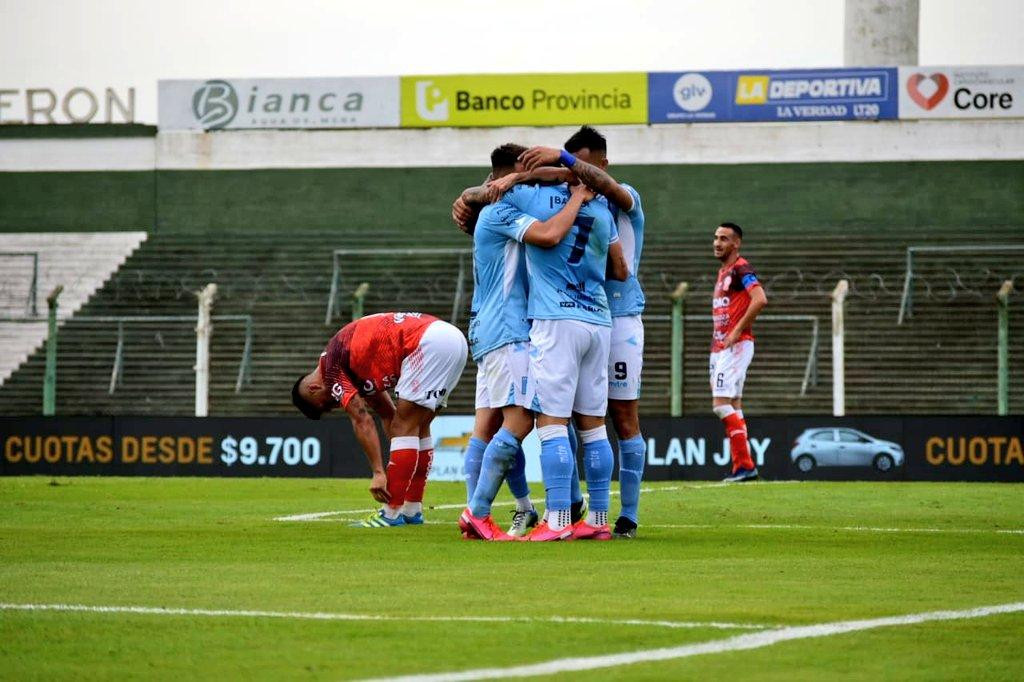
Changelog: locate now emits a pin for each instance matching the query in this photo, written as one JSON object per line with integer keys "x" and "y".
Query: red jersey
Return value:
{"x": 731, "y": 300}
{"x": 366, "y": 356}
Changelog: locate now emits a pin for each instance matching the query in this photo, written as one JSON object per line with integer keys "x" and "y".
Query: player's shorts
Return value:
{"x": 431, "y": 372}
{"x": 626, "y": 358}
{"x": 729, "y": 369}
{"x": 569, "y": 368}
{"x": 502, "y": 377}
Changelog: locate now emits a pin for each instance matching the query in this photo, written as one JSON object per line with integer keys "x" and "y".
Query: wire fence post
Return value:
{"x": 460, "y": 283}
{"x": 1003, "y": 301}
{"x": 334, "y": 289}
{"x": 838, "y": 348}
{"x": 358, "y": 298}
{"x": 203, "y": 331}
{"x": 678, "y": 303}
{"x": 50, "y": 378}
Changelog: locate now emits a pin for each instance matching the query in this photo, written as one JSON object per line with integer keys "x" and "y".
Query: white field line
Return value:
{"x": 736, "y": 643}
{"x": 316, "y": 615}
{"x": 317, "y": 516}
{"x": 851, "y": 529}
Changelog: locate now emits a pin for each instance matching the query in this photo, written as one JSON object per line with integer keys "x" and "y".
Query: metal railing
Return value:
{"x": 1003, "y": 348}
{"x": 31, "y": 304}
{"x": 117, "y": 371}
{"x": 333, "y": 305}
{"x": 907, "y": 299}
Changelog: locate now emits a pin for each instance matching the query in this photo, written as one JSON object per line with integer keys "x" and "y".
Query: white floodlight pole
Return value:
{"x": 838, "y": 348}
{"x": 203, "y": 330}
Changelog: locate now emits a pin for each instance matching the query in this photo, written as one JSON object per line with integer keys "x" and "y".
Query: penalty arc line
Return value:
{"x": 317, "y": 615}
{"x": 756, "y": 640}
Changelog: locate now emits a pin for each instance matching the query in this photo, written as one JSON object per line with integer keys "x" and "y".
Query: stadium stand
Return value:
{"x": 81, "y": 262}
{"x": 808, "y": 226}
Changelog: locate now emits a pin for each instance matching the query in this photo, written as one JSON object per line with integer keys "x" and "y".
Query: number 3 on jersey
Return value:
{"x": 583, "y": 224}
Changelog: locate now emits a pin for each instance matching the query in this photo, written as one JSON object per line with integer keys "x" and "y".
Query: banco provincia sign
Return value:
{"x": 254, "y": 103}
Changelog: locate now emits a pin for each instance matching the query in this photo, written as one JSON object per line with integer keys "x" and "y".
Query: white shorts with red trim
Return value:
{"x": 729, "y": 369}
{"x": 431, "y": 372}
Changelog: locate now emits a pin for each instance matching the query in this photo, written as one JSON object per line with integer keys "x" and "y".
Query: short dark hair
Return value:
{"x": 305, "y": 407}
{"x": 505, "y": 156}
{"x": 586, "y": 138}
{"x": 734, "y": 227}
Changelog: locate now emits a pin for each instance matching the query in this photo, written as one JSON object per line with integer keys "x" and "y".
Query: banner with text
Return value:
{"x": 961, "y": 91}
{"x": 763, "y": 95}
{"x": 523, "y": 99}
{"x": 248, "y": 103}
{"x": 690, "y": 448}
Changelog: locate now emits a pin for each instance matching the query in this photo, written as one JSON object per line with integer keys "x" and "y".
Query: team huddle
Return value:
{"x": 557, "y": 335}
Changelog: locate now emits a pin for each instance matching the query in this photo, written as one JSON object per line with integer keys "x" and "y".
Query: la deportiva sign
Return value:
{"x": 49, "y": 106}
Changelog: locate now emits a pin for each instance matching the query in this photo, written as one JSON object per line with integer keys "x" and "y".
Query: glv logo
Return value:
{"x": 932, "y": 101}
{"x": 431, "y": 104}
{"x": 692, "y": 92}
{"x": 215, "y": 104}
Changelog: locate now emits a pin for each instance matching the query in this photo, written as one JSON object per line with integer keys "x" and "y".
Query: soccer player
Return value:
{"x": 421, "y": 358}
{"x": 626, "y": 299}
{"x": 499, "y": 334}
{"x": 738, "y": 300}
{"x": 499, "y": 326}
{"x": 569, "y": 352}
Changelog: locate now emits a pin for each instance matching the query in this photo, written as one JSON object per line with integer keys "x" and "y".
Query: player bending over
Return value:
{"x": 626, "y": 299}
{"x": 738, "y": 300}
{"x": 421, "y": 358}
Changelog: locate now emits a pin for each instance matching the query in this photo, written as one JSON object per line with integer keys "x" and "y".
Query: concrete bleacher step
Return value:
{"x": 79, "y": 261}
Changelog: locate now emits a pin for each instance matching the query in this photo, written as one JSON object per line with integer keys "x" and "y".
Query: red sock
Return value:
{"x": 736, "y": 429}
{"x": 401, "y": 466}
{"x": 418, "y": 483}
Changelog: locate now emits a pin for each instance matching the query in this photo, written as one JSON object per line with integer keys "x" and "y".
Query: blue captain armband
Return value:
{"x": 567, "y": 159}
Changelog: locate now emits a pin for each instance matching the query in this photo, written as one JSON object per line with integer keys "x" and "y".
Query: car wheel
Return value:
{"x": 883, "y": 462}
{"x": 805, "y": 463}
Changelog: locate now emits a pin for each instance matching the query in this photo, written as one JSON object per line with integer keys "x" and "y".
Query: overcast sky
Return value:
{"x": 96, "y": 43}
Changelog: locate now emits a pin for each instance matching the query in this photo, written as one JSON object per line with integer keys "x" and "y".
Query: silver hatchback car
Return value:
{"x": 844, "y": 447}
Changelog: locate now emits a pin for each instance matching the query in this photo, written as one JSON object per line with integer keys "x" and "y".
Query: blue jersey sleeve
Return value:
{"x": 509, "y": 221}
{"x": 638, "y": 208}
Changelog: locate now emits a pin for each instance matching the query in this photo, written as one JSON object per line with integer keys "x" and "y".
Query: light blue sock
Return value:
{"x": 575, "y": 493}
{"x": 474, "y": 457}
{"x": 516, "y": 476}
{"x": 632, "y": 455}
{"x": 498, "y": 458}
{"x": 556, "y": 466}
{"x": 599, "y": 462}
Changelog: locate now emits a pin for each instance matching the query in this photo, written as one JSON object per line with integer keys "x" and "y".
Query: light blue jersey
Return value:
{"x": 498, "y": 315}
{"x": 627, "y": 298}
{"x": 567, "y": 280}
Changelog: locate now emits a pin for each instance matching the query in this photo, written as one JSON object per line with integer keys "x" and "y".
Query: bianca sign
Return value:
{"x": 961, "y": 91}
{"x": 244, "y": 103}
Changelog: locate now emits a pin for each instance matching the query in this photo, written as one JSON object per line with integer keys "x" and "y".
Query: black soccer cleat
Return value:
{"x": 577, "y": 510}
{"x": 624, "y": 529}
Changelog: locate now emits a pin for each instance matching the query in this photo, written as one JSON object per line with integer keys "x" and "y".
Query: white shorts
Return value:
{"x": 626, "y": 358}
{"x": 569, "y": 368}
{"x": 729, "y": 369}
{"x": 431, "y": 372}
{"x": 502, "y": 377}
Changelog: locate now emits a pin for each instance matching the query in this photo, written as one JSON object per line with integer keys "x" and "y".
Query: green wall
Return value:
{"x": 691, "y": 197}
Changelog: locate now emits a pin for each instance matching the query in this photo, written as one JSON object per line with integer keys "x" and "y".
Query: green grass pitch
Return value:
{"x": 756, "y": 555}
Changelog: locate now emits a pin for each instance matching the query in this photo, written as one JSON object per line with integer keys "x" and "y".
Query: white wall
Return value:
{"x": 839, "y": 141}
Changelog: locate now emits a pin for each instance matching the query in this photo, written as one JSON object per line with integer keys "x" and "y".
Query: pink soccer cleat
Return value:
{"x": 582, "y": 530}
{"x": 474, "y": 528}
{"x": 544, "y": 533}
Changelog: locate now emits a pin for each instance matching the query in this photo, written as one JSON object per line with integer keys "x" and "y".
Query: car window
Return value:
{"x": 850, "y": 437}
{"x": 823, "y": 435}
